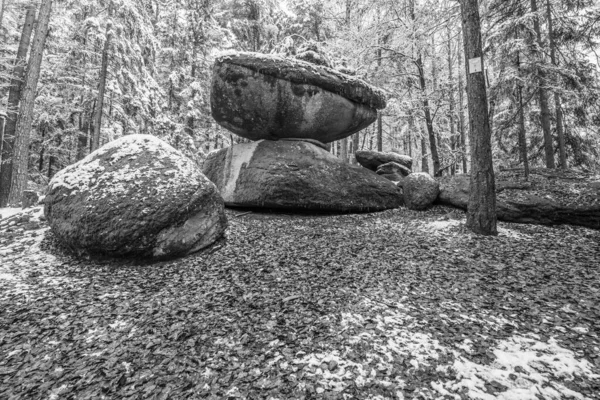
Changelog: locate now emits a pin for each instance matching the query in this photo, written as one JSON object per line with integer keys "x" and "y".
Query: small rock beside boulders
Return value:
{"x": 30, "y": 198}
{"x": 420, "y": 190}
{"x": 373, "y": 159}
{"x": 393, "y": 171}
{"x": 135, "y": 196}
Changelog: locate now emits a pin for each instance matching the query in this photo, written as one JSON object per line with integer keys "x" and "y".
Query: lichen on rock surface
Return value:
{"x": 303, "y": 72}
{"x": 135, "y": 196}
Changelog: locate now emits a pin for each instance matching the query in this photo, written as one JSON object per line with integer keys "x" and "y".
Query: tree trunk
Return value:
{"x": 541, "y": 81}
{"x": 43, "y": 129}
{"x": 522, "y": 136}
{"x": 451, "y": 104}
{"x": 3, "y": 4}
{"x": 379, "y": 131}
{"x": 557, "y": 103}
{"x": 14, "y": 95}
{"x": 428, "y": 120}
{"x": 461, "y": 114}
{"x": 21, "y": 149}
{"x": 481, "y": 211}
{"x": 356, "y": 141}
{"x": 101, "y": 88}
{"x": 344, "y": 149}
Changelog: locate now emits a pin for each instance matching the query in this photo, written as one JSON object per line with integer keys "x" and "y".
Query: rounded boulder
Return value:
{"x": 420, "y": 190}
{"x": 135, "y": 196}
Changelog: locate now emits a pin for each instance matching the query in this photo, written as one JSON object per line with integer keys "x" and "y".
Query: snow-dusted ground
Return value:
{"x": 524, "y": 368}
{"x": 377, "y": 336}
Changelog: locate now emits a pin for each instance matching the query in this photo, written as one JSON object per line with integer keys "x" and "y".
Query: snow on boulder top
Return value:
{"x": 116, "y": 166}
{"x": 302, "y": 72}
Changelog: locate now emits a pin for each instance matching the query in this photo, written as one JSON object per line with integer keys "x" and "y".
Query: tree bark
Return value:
{"x": 451, "y": 104}
{"x": 21, "y": 150}
{"x": 101, "y": 88}
{"x": 541, "y": 79}
{"x": 379, "y": 131}
{"x": 522, "y": 136}
{"x": 481, "y": 211}
{"x": 557, "y": 102}
{"x": 14, "y": 96}
{"x": 428, "y": 120}
{"x": 344, "y": 149}
{"x": 461, "y": 114}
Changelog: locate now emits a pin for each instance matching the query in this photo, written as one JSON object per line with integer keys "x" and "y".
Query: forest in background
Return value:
{"x": 116, "y": 67}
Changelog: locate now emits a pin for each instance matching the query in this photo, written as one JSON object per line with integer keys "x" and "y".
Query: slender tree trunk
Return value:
{"x": 379, "y": 131}
{"x": 3, "y": 6}
{"x": 14, "y": 95}
{"x": 101, "y": 88}
{"x": 522, "y": 135}
{"x": 21, "y": 150}
{"x": 461, "y": 114}
{"x": 557, "y": 103}
{"x": 344, "y": 149}
{"x": 481, "y": 211}
{"x": 428, "y": 120}
{"x": 541, "y": 81}
{"x": 43, "y": 129}
{"x": 451, "y": 104}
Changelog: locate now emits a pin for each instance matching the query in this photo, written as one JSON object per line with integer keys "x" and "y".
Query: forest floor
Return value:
{"x": 390, "y": 305}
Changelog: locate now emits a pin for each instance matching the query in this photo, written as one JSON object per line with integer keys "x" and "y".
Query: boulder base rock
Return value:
{"x": 517, "y": 204}
{"x": 373, "y": 159}
{"x": 420, "y": 190}
{"x": 136, "y": 196}
{"x": 258, "y": 106}
{"x": 393, "y": 171}
{"x": 296, "y": 175}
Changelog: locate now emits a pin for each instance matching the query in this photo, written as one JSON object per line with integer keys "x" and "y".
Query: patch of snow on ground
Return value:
{"x": 441, "y": 225}
{"x": 8, "y": 212}
{"x": 527, "y": 368}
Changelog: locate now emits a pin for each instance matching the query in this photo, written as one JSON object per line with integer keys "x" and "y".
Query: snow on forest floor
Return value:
{"x": 392, "y": 305}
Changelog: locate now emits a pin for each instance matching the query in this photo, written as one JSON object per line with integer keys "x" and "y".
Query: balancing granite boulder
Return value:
{"x": 296, "y": 175}
{"x": 260, "y": 96}
{"x": 374, "y": 159}
{"x": 136, "y": 196}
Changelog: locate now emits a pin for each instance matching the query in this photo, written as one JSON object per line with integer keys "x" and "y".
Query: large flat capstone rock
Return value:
{"x": 516, "y": 203}
{"x": 296, "y": 175}
{"x": 265, "y": 97}
{"x": 135, "y": 196}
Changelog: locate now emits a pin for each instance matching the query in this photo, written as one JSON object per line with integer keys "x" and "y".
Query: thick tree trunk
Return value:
{"x": 21, "y": 150}
{"x": 541, "y": 81}
{"x": 428, "y": 120}
{"x": 14, "y": 95}
{"x": 481, "y": 212}
{"x": 101, "y": 89}
{"x": 557, "y": 103}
